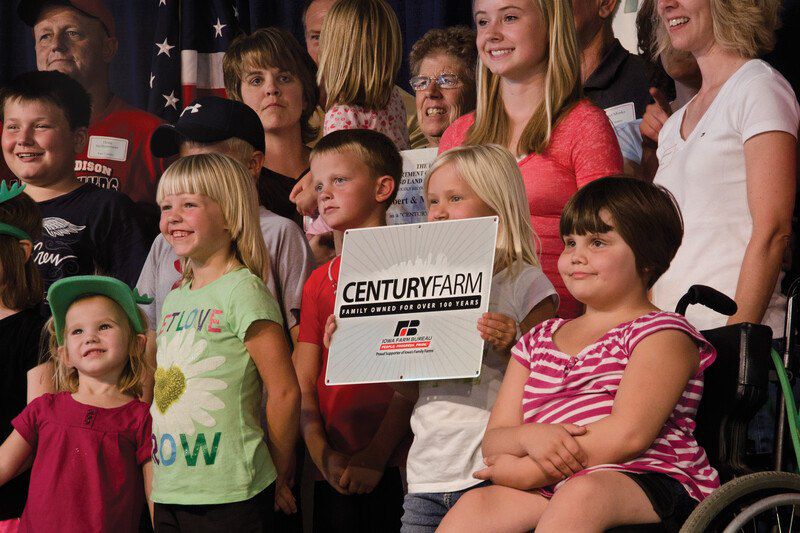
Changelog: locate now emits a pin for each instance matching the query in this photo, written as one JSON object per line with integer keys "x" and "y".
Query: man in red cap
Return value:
{"x": 78, "y": 38}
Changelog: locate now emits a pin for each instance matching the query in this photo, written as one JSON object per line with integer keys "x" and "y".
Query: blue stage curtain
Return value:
{"x": 136, "y": 19}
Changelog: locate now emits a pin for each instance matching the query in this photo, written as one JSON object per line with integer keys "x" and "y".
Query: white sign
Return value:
{"x": 408, "y": 301}
{"x": 409, "y": 206}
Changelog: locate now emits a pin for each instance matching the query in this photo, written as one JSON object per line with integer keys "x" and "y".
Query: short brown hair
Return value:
{"x": 372, "y": 148}
{"x": 273, "y": 48}
{"x": 645, "y": 215}
{"x": 136, "y": 369}
{"x": 20, "y": 283}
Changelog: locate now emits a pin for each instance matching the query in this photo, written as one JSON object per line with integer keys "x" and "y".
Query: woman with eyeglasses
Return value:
{"x": 529, "y": 100}
{"x": 443, "y": 78}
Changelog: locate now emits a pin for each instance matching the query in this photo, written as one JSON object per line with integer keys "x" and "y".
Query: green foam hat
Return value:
{"x": 66, "y": 290}
{"x": 6, "y": 194}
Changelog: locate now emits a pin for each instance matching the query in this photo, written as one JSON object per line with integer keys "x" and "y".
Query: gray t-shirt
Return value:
{"x": 290, "y": 258}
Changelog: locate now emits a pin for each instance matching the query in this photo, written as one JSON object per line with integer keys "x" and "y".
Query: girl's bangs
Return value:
{"x": 581, "y": 216}
{"x": 181, "y": 181}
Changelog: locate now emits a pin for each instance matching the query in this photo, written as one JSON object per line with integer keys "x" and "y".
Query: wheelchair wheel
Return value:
{"x": 743, "y": 497}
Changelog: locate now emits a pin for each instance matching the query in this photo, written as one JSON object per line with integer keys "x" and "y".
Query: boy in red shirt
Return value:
{"x": 355, "y": 434}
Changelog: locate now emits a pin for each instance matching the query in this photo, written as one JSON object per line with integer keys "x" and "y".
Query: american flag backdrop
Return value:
{"x": 190, "y": 40}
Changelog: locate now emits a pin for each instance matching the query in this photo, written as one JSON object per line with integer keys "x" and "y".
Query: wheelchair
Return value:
{"x": 736, "y": 387}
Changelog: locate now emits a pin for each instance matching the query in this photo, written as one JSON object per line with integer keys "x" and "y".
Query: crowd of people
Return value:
{"x": 167, "y": 290}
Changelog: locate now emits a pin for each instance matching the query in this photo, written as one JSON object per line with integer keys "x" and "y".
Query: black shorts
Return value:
{"x": 668, "y": 497}
{"x": 249, "y": 516}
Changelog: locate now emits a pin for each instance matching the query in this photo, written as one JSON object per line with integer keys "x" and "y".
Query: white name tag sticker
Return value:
{"x": 112, "y": 148}
{"x": 620, "y": 114}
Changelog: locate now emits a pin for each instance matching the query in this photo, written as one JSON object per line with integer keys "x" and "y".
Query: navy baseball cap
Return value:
{"x": 208, "y": 120}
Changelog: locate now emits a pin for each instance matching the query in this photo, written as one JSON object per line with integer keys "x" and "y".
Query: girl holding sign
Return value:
{"x": 450, "y": 417}
{"x": 594, "y": 421}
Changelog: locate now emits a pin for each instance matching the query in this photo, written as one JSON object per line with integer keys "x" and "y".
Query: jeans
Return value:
{"x": 423, "y": 511}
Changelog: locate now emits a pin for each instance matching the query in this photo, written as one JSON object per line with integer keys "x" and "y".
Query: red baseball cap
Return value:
{"x": 29, "y": 10}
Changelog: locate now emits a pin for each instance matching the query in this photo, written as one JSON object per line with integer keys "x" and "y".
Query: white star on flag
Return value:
{"x": 236, "y": 12}
{"x": 218, "y": 28}
{"x": 171, "y": 100}
{"x": 152, "y": 79}
{"x": 192, "y": 109}
{"x": 164, "y": 48}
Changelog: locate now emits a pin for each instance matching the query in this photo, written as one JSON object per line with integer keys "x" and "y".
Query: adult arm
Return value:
{"x": 147, "y": 475}
{"x": 770, "y": 163}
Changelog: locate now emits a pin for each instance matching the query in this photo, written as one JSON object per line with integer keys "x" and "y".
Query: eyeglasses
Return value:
{"x": 444, "y": 81}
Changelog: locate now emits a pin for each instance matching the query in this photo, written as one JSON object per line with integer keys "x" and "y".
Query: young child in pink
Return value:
{"x": 594, "y": 420}
{"x": 91, "y": 441}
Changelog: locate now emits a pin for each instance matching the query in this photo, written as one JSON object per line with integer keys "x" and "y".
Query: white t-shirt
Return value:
{"x": 706, "y": 174}
{"x": 450, "y": 416}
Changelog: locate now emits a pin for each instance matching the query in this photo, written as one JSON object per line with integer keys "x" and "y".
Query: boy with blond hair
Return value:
{"x": 356, "y": 435}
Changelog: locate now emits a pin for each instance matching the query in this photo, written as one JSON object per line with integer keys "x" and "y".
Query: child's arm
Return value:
{"x": 307, "y": 358}
{"x": 13, "y": 455}
{"x": 40, "y": 381}
{"x": 658, "y": 370}
{"x": 266, "y": 343}
{"x": 147, "y": 474}
{"x": 366, "y": 467}
{"x": 552, "y": 446}
{"x": 521, "y": 473}
{"x": 148, "y": 381}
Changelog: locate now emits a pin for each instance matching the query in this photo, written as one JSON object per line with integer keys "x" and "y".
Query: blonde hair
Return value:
{"x": 239, "y": 149}
{"x": 492, "y": 172}
{"x": 562, "y": 87}
{"x": 130, "y": 380}
{"x": 746, "y": 28}
{"x": 360, "y": 54}
{"x": 231, "y": 186}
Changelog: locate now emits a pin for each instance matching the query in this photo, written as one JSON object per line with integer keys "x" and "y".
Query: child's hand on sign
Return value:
{"x": 330, "y": 327}
{"x": 499, "y": 330}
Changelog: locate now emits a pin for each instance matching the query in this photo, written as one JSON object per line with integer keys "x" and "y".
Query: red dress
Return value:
{"x": 582, "y": 148}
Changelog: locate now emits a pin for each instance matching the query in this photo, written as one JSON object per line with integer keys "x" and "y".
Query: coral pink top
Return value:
{"x": 582, "y": 148}
{"x": 581, "y": 389}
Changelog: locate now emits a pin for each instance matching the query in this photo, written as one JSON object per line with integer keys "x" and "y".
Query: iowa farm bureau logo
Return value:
{"x": 406, "y": 328}
{"x": 406, "y": 337}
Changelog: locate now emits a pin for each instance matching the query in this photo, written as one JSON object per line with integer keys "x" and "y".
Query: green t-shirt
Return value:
{"x": 208, "y": 444}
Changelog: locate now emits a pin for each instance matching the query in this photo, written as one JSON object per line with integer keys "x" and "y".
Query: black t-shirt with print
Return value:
{"x": 19, "y": 352}
{"x": 90, "y": 231}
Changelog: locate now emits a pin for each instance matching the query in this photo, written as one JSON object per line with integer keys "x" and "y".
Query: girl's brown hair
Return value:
{"x": 646, "y": 216}
{"x": 20, "y": 284}
{"x": 130, "y": 380}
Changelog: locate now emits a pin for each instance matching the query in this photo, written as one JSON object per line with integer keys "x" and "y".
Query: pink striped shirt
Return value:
{"x": 581, "y": 389}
